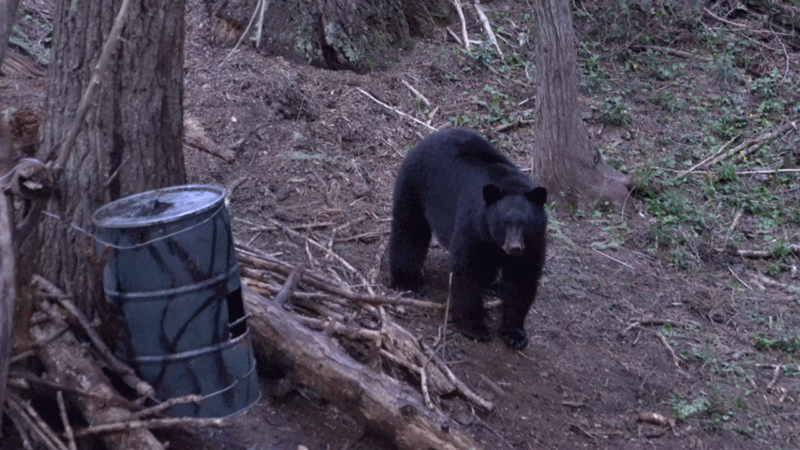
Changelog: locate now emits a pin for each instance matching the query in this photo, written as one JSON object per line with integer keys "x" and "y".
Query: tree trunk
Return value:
{"x": 134, "y": 126}
{"x": 564, "y": 160}
{"x": 358, "y": 35}
{"x": 8, "y": 10}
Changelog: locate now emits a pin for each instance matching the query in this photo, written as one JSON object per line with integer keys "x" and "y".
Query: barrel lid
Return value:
{"x": 158, "y": 206}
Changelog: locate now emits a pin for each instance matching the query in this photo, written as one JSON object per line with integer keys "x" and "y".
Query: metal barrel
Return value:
{"x": 172, "y": 284}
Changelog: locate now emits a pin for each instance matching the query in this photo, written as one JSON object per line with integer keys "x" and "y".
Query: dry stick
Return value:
{"x": 329, "y": 252}
{"x": 734, "y": 224}
{"x": 729, "y": 22}
{"x": 757, "y": 143}
{"x": 396, "y": 110}
{"x": 143, "y": 389}
{"x": 463, "y": 388}
{"x": 62, "y": 409}
{"x": 246, "y": 29}
{"x": 612, "y": 258}
{"x": 464, "y": 35}
{"x": 766, "y": 172}
{"x": 740, "y": 280}
{"x": 486, "y": 25}
{"x": 23, "y": 432}
{"x": 764, "y": 254}
{"x": 416, "y": 93}
{"x": 165, "y": 405}
{"x": 290, "y": 285}
{"x": 86, "y": 100}
{"x": 705, "y": 161}
{"x": 776, "y": 372}
{"x": 32, "y": 379}
{"x": 454, "y": 35}
{"x": 656, "y": 322}
{"x": 672, "y": 51}
{"x": 35, "y": 423}
{"x": 671, "y": 352}
{"x": 339, "y": 328}
{"x": 426, "y": 396}
{"x": 151, "y": 424}
{"x": 326, "y": 286}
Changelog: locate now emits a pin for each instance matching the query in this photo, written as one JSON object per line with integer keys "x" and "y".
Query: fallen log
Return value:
{"x": 381, "y": 403}
{"x": 64, "y": 359}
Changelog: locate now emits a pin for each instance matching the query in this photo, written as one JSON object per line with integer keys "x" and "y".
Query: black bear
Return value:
{"x": 486, "y": 212}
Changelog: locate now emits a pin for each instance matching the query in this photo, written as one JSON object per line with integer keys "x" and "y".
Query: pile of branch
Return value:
{"x": 74, "y": 376}
{"x": 304, "y": 302}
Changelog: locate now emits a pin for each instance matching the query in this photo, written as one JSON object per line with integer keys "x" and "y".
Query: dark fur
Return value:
{"x": 455, "y": 184}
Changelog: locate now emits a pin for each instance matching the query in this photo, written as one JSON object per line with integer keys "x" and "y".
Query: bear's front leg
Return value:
{"x": 518, "y": 290}
{"x": 472, "y": 275}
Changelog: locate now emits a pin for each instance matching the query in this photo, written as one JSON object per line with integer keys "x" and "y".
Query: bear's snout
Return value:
{"x": 514, "y": 244}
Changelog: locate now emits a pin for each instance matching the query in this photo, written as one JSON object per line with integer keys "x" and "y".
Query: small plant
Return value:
{"x": 682, "y": 410}
{"x": 614, "y": 111}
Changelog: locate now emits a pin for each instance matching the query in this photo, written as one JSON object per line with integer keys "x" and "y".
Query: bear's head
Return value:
{"x": 511, "y": 217}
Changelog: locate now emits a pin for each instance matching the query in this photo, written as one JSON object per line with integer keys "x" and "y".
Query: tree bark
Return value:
{"x": 135, "y": 126}
{"x": 8, "y": 272}
{"x": 358, "y": 35}
{"x": 8, "y": 10}
{"x": 381, "y": 403}
{"x": 564, "y": 159}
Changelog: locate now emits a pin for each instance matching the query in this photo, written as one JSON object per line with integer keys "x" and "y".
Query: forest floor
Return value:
{"x": 650, "y": 312}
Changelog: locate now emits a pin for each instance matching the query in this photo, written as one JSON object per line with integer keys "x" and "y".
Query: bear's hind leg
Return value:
{"x": 408, "y": 245}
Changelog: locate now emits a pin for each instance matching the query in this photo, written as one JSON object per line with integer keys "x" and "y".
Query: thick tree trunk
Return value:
{"x": 8, "y": 11}
{"x": 564, "y": 160}
{"x": 358, "y": 35}
{"x": 134, "y": 126}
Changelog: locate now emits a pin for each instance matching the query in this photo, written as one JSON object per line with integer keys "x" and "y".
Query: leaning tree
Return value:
{"x": 130, "y": 139}
{"x": 564, "y": 159}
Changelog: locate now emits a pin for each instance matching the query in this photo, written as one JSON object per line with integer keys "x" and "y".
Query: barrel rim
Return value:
{"x": 98, "y": 222}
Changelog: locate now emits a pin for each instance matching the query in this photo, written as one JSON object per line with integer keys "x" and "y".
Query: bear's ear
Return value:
{"x": 537, "y": 196}
{"x": 491, "y": 194}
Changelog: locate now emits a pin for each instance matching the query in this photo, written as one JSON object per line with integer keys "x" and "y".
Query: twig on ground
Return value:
{"x": 62, "y": 409}
{"x": 763, "y": 254}
{"x": 256, "y": 12}
{"x": 675, "y": 359}
{"x": 290, "y": 285}
{"x": 775, "y": 374}
{"x": 25, "y": 379}
{"x": 166, "y": 405}
{"x": 462, "y": 388}
{"x": 416, "y": 93}
{"x": 464, "y": 35}
{"x": 330, "y": 252}
{"x": 396, "y": 110}
{"x": 672, "y": 51}
{"x": 706, "y": 161}
{"x": 325, "y": 286}
{"x": 31, "y": 420}
{"x": 143, "y": 389}
{"x": 613, "y": 259}
{"x": 151, "y": 424}
{"x": 732, "y": 228}
{"x": 487, "y": 27}
{"x": 740, "y": 280}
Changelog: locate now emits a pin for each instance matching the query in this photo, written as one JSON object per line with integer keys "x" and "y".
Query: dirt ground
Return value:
{"x": 618, "y": 328}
